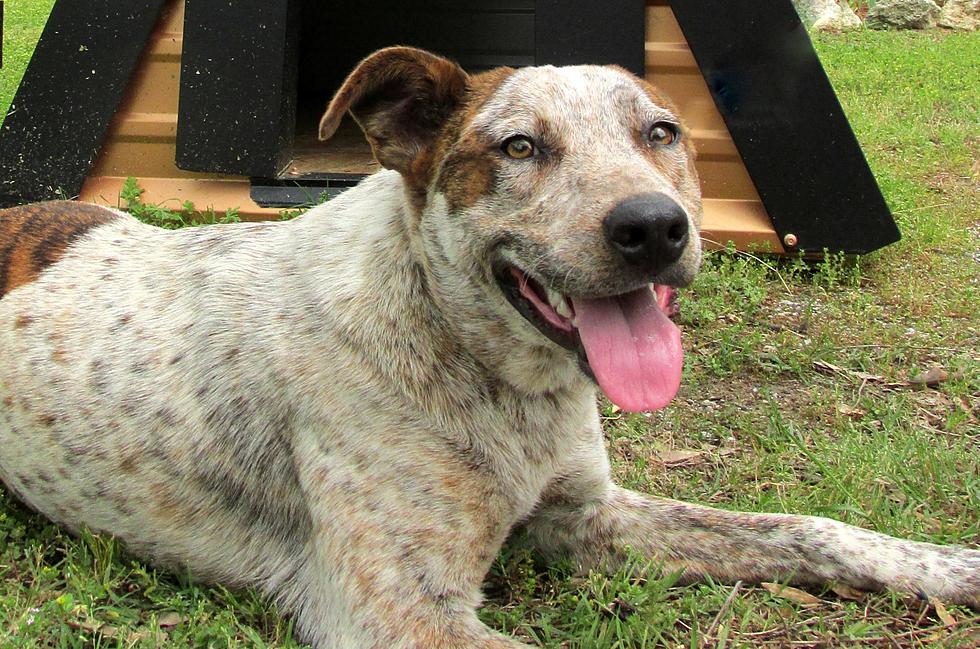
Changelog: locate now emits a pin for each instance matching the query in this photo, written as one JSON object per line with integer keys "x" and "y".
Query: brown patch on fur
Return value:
{"x": 33, "y": 237}
{"x": 398, "y": 95}
{"x": 401, "y": 98}
{"x": 20, "y": 321}
{"x": 167, "y": 507}
{"x": 128, "y": 465}
{"x": 469, "y": 166}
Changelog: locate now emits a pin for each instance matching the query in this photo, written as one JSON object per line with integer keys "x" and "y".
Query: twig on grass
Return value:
{"x": 956, "y": 350}
{"x": 706, "y": 638}
{"x": 921, "y": 209}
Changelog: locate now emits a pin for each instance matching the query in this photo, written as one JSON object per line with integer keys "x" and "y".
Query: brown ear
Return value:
{"x": 400, "y": 97}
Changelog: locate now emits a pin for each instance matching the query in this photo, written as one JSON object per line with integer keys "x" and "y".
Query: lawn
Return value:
{"x": 804, "y": 392}
{"x": 23, "y": 22}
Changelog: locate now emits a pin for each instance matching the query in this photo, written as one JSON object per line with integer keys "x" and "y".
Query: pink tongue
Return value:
{"x": 633, "y": 348}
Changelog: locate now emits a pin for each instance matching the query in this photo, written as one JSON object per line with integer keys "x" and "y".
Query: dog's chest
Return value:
{"x": 528, "y": 442}
{"x": 493, "y": 458}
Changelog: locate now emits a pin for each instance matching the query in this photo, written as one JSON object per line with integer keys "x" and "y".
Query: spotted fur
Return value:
{"x": 344, "y": 411}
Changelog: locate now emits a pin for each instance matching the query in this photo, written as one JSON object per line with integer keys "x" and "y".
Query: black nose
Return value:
{"x": 648, "y": 230}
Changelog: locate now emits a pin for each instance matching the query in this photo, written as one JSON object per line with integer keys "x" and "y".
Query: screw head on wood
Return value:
{"x": 790, "y": 240}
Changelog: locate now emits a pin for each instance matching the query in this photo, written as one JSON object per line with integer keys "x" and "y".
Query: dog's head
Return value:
{"x": 555, "y": 201}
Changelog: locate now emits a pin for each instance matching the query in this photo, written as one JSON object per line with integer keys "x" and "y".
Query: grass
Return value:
{"x": 23, "y": 22}
{"x": 802, "y": 393}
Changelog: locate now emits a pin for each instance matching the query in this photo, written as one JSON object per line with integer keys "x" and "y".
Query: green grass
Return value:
{"x": 797, "y": 397}
{"x": 23, "y": 22}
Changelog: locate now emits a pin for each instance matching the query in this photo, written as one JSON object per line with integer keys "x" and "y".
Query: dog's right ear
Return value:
{"x": 400, "y": 97}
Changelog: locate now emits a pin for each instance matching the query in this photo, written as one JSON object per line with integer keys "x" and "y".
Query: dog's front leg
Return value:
{"x": 595, "y": 521}
{"x": 394, "y": 559}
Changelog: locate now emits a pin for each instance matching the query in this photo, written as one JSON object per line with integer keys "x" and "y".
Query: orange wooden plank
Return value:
{"x": 669, "y": 55}
{"x": 745, "y": 223}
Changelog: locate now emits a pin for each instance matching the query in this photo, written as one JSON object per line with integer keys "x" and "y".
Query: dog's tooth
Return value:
{"x": 556, "y": 299}
{"x": 563, "y": 309}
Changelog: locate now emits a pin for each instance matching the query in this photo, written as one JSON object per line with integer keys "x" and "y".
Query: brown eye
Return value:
{"x": 663, "y": 134}
{"x": 519, "y": 147}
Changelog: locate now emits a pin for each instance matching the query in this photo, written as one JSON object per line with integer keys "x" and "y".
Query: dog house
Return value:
{"x": 217, "y": 103}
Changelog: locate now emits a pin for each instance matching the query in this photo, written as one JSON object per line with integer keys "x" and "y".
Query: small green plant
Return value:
{"x": 829, "y": 271}
{"x": 288, "y": 214}
{"x": 169, "y": 219}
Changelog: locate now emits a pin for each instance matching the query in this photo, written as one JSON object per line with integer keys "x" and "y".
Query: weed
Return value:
{"x": 169, "y": 219}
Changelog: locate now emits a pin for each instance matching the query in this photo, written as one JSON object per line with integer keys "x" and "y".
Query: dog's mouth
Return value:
{"x": 626, "y": 342}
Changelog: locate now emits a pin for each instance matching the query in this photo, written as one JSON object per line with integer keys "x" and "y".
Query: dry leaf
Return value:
{"x": 794, "y": 594}
{"x": 679, "y": 456}
{"x": 825, "y": 367}
{"x": 721, "y": 638}
{"x": 969, "y": 409}
{"x": 851, "y": 411}
{"x": 89, "y": 626}
{"x": 846, "y": 592}
{"x": 621, "y": 608}
{"x": 931, "y": 522}
{"x": 168, "y": 620}
{"x": 931, "y": 377}
{"x": 941, "y": 612}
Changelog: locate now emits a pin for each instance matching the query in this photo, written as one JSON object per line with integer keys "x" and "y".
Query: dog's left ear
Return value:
{"x": 400, "y": 97}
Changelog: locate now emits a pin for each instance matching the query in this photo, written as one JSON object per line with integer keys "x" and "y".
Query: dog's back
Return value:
{"x": 101, "y": 401}
{"x": 154, "y": 380}
{"x": 148, "y": 386}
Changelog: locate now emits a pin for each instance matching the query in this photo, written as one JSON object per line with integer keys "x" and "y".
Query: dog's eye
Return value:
{"x": 663, "y": 134}
{"x": 518, "y": 147}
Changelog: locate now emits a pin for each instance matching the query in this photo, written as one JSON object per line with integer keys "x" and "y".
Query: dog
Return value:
{"x": 351, "y": 411}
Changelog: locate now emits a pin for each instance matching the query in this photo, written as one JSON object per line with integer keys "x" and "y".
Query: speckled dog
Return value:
{"x": 351, "y": 411}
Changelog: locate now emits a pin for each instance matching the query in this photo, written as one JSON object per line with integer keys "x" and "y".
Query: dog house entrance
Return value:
{"x": 316, "y": 168}
{"x": 335, "y": 36}
{"x": 306, "y": 49}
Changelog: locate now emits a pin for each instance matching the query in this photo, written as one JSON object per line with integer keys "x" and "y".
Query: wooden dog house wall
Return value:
{"x": 217, "y": 103}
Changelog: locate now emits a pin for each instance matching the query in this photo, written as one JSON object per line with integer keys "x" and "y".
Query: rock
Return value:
{"x": 961, "y": 14}
{"x": 903, "y": 14}
{"x": 827, "y": 15}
